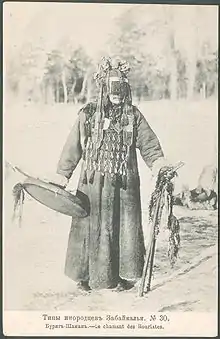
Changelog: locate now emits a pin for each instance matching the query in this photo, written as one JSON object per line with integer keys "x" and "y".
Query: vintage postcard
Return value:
{"x": 110, "y": 169}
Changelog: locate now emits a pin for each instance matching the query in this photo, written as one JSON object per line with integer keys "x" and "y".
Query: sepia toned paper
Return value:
{"x": 51, "y": 52}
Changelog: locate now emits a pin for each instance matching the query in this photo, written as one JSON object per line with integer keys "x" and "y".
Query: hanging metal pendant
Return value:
{"x": 106, "y": 124}
{"x": 117, "y": 127}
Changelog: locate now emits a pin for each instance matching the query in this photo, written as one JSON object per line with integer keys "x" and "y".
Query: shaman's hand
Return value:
{"x": 167, "y": 173}
{"x": 59, "y": 180}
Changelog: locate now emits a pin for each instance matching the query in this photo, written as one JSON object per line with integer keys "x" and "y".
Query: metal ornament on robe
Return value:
{"x": 99, "y": 123}
{"x": 57, "y": 198}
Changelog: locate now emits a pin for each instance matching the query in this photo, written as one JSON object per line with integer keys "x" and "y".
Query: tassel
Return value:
{"x": 174, "y": 239}
{"x": 127, "y": 138}
{"x": 91, "y": 179}
{"x": 102, "y": 179}
{"x": 18, "y": 194}
{"x": 114, "y": 178}
{"x": 124, "y": 119}
{"x": 84, "y": 154}
{"x": 84, "y": 180}
{"x": 88, "y": 129}
{"x": 124, "y": 182}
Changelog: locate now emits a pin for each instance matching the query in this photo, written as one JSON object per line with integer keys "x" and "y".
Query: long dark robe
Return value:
{"x": 109, "y": 243}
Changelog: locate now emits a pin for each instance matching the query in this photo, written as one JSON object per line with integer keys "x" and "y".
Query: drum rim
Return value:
{"x": 61, "y": 191}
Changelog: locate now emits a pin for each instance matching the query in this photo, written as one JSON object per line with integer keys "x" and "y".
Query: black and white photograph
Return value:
{"x": 110, "y": 175}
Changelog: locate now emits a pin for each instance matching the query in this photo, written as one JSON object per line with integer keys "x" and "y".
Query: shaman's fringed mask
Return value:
{"x": 111, "y": 127}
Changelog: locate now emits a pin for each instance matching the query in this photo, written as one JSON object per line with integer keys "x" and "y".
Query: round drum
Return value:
{"x": 57, "y": 198}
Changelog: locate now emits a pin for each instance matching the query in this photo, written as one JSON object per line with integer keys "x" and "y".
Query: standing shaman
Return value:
{"x": 106, "y": 248}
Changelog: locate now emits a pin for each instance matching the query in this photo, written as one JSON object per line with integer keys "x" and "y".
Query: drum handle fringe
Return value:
{"x": 19, "y": 195}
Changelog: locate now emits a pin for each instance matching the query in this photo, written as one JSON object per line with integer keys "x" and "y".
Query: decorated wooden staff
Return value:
{"x": 163, "y": 190}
